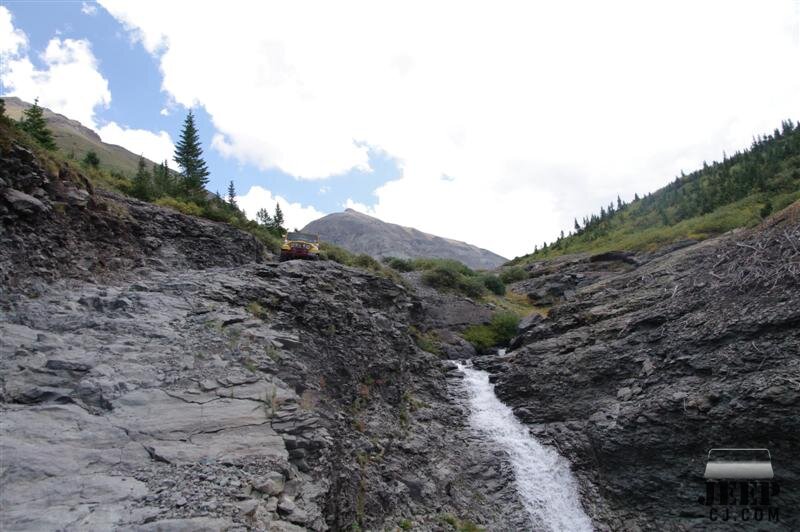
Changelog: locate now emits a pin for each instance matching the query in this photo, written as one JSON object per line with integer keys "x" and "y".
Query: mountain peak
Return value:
{"x": 360, "y": 233}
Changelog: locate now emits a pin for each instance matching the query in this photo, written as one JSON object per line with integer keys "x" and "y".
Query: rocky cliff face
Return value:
{"x": 158, "y": 372}
{"x": 360, "y": 233}
{"x": 643, "y": 365}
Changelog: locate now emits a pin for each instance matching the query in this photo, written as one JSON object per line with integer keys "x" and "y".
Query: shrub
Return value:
{"x": 494, "y": 284}
{"x": 441, "y": 278}
{"x": 401, "y": 265}
{"x": 450, "y": 264}
{"x": 499, "y": 332}
{"x": 336, "y": 254}
{"x": 255, "y": 309}
{"x": 513, "y": 274}
{"x": 481, "y": 336}
{"x": 365, "y": 261}
{"x": 505, "y": 325}
{"x": 428, "y": 341}
{"x": 186, "y": 207}
{"x": 91, "y": 159}
{"x": 449, "y": 275}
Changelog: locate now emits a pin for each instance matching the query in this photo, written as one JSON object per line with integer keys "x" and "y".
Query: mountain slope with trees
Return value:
{"x": 738, "y": 191}
{"x": 76, "y": 141}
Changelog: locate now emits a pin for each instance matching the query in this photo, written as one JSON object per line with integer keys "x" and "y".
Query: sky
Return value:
{"x": 495, "y": 123}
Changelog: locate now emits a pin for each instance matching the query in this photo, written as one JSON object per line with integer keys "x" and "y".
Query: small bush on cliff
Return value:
{"x": 401, "y": 265}
{"x": 366, "y": 262}
{"x": 427, "y": 341}
{"x": 513, "y": 274}
{"x": 329, "y": 251}
{"x": 498, "y": 333}
{"x": 449, "y": 276}
{"x": 186, "y": 207}
{"x": 91, "y": 159}
{"x": 494, "y": 284}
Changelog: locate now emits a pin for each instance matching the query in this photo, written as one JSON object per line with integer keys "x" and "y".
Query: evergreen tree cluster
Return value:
{"x": 770, "y": 166}
{"x": 188, "y": 187}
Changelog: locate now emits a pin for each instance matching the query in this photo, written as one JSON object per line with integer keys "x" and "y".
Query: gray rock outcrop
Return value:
{"x": 637, "y": 374}
{"x": 157, "y": 372}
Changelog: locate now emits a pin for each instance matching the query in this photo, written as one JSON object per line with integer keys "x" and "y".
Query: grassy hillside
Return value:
{"x": 75, "y": 140}
{"x": 739, "y": 191}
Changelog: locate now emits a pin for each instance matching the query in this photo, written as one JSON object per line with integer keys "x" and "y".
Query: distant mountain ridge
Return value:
{"x": 360, "y": 233}
{"x": 73, "y": 137}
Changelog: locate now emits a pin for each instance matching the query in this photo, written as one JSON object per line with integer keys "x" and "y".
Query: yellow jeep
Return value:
{"x": 300, "y": 246}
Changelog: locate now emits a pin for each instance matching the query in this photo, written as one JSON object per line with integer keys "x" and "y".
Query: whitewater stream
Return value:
{"x": 545, "y": 484}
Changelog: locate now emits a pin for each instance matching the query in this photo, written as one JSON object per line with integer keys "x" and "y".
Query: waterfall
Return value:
{"x": 545, "y": 484}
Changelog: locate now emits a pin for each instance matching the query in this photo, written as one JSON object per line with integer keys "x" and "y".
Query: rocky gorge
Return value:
{"x": 646, "y": 362}
{"x": 164, "y": 372}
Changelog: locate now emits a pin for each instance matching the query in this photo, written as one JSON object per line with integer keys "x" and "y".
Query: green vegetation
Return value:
{"x": 186, "y": 207}
{"x": 739, "y": 191}
{"x": 427, "y": 341}
{"x": 76, "y": 142}
{"x": 232, "y": 194}
{"x": 91, "y": 159}
{"x": 498, "y": 333}
{"x": 189, "y": 156}
{"x": 401, "y": 265}
{"x": 513, "y": 274}
{"x": 255, "y": 309}
{"x": 338, "y": 254}
{"x": 33, "y": 123}
{"x": 450, "y": 275}
{"x": 161, "y": 185}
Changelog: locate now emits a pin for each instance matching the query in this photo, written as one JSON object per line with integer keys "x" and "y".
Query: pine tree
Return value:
{"x": 232, "y": 195}
{"x": 142, "y": 181}
{"x": 263, "y": 217}
{"x": 619, "y": 202}
{"x": 278, "y": 218}
{"x": 34, "y": 124}
{"x": 189, "y": 155}
{"x": 577, "y": 225}
{"x": 163, "y": 184}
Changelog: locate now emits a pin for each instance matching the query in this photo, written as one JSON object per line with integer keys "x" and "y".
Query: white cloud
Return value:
{"x": 12, "y": 40}
{"x": 164, "y": 112}
{"x": 154, "y": 146}
{"x": 295, "y": 215}
{"x": 535, "y": 112}
{"x": 71, "y": 84}
{"x": 88, "y": 8}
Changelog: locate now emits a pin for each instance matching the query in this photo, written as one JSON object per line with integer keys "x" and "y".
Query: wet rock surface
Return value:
{"x": 637, "y": 374}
